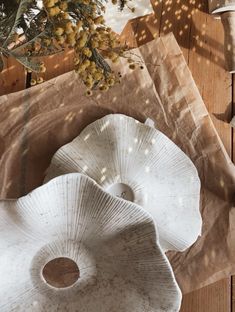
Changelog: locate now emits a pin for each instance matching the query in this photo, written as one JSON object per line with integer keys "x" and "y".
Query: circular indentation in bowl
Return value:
{"x": 121, "y": 190}
{"x": 61, "y": 272}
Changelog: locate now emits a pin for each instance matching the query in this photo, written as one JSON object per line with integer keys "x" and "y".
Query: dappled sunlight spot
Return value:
{"x": 87, "y": 137}
{"x": 70, "y": 52}
{"x": 13, "y": 145}
{"x": 70, "y": 117}
{"x": 147, "y": 169}
{"x": 174, "y": 135}
{"x": 213, "y": 254}
{"x": 185, "y": 7}
{"x": 103, "y": 170}
{"x": 147, "y": 19}
{"x": 4, "y": 70}
{"x": 114, "y": 99}
{"x": 85, "y": 168}
{"x": 61, "y": 105}
{"x": 9, "y": 184}
{"x": 103, "y": 178}
{"x": 42, "y": 90}
{"x": 25, "y": 151}
{"x": 206, "y": 260}
{"x": 56, "y": 66}
{"x": 80, "y": 111}
{"x": 66, "y": 58}
{"x": 104, "y": 126}
{"x": 98, "y": 96}
{"x": 221, "y": 182}
{"x": 15, "y": 110}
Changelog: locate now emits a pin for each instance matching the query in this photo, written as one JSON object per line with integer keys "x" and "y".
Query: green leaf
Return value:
{"x": 22, "y": 7}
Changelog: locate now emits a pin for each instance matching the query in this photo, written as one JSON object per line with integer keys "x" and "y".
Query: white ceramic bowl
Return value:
{"x": 117, "y": 265}
{"x": 139, "y": 163}
{"x": 220, "y": 6}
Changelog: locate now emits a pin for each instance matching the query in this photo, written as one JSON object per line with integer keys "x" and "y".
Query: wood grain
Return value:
{"x": 12, "y": 78}
{"x": 233, "y": 130}
{"x": 213, "y": 298}
{"x": 201, "y": 37}
{"x": 233, "y": 294}
{"x": 206, "y": 61}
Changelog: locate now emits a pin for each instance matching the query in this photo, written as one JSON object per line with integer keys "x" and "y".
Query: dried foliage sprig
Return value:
{"x": 31, "y": 28}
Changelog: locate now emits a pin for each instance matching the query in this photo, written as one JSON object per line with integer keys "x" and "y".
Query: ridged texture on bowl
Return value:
{"x": 119, "y": 149}
{"x": 113, "y": 242}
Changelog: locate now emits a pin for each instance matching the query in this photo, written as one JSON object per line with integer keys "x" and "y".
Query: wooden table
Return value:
{"x": 201, "y": 39}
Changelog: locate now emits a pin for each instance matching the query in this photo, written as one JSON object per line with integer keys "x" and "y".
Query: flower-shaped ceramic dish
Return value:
{"x": 139, "y": 163}
{"x": 70, "y": 246}
{"x": 220, "y": 6}
{"x": 141, "y": 8}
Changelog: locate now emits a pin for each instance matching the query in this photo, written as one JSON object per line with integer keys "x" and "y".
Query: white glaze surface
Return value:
{"x": 119, "y": 149}
{"x": 122, "y": 268}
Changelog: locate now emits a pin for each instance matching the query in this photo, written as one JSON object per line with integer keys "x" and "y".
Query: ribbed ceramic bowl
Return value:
{"x": 139, "y": 163}
{"x": 70, "y": 246}
{"x": 220, "y": 6}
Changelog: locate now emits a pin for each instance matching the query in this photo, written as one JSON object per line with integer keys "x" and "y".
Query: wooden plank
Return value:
{"x": 177, "y": 18}
{"x": 200, "y": 37}
{"x": 206, "y": 61}
{"x": 141, "y": 30}
{"x": 233, "y": 294}
{"x": 57, "y": 64}
{"x": 213, "y": 298}
{"x": 12, "y": 78}
{"x": 233, "y": 114}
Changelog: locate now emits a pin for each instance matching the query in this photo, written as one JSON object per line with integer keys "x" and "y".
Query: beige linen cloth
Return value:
{"x": 35, "y": 123}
